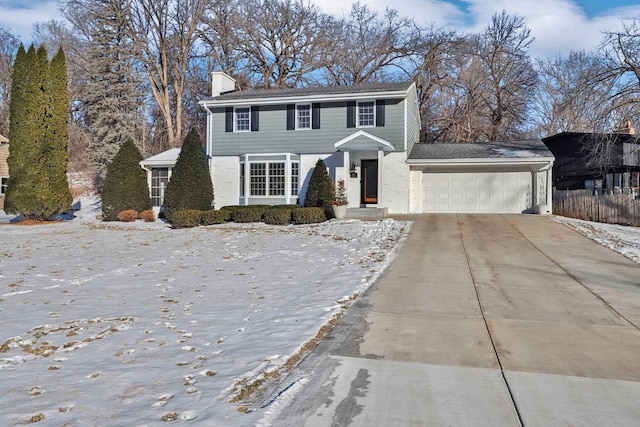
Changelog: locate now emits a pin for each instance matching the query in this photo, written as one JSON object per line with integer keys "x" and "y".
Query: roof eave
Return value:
{"x": 213, "y": 102}
{"x": 482, "y": 161}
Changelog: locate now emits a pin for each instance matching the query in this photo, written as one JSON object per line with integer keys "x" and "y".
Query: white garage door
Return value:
{"x": 477, "y": 192}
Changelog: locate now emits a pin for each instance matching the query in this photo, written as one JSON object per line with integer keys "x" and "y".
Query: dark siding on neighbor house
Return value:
{"x": 571, "y": 168}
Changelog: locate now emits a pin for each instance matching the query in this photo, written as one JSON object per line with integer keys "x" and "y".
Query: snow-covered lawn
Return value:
{"x": 133, "y": 324}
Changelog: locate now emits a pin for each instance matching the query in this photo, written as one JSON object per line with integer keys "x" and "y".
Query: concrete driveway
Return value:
{"x": 483, "y": 320}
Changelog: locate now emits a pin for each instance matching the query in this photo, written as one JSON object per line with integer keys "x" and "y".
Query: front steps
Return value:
{"x": 366, "y": 213}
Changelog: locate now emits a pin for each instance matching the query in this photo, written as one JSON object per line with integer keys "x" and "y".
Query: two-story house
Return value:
{"x": 262, "y": 146}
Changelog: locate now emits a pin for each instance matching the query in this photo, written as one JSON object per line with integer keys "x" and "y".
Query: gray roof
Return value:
{"x": 312, "y": 91}
{"x": 481, "y": 150}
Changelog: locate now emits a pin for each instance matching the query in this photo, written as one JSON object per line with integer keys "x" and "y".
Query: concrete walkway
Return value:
{"x": 483, "y": 320}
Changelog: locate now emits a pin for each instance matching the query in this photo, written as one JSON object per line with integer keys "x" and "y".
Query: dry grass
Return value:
{"x": 246, "y": 388}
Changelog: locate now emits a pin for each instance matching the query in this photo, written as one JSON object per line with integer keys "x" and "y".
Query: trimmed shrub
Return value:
{"x": 148, "y": 215}
{"x": 190, "y": 185}
{"x": 308, "y": 215}
{"x": 249, "y": 214}
{"x": 186, "y": 218}
{"x": 320, "y": 191}
{"x": 125, "y": 186}
{"x": 234, "y": 208}
{"x": 127, "y": 215}
{"x": 285, "y": 207}
{"x": 215, "y": 217}
{"x": 277, "y": 216}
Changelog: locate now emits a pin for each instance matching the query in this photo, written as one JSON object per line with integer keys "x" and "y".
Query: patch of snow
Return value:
{"x": 109, "y": 323}
{"x": 620, "y": 238}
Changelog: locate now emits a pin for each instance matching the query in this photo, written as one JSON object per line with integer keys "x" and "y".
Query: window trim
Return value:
{"x": 290, "y": 186}
{"x": 297, "y": 116}
{"x": 359, "y": 114}
{"x": 235, "y": 118}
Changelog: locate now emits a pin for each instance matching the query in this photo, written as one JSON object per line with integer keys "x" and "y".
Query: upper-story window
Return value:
{"x": 303, "y": 116}
{"x": 363, "y": 114}
{"x": 366, "y": 114}
{"x": 242, "y": 119}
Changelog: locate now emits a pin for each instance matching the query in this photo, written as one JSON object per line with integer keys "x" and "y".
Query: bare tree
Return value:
{"x": 370, "y": 48}
{"x": 509, "y": 77}
{"x": 165, "y": 32}
{"x": 283, "y": 41}
{"x": 9, "y": 44}
{"x": 571, "y": 95}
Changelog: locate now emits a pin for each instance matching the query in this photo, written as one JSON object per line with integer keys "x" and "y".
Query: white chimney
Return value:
{"x": 221, "y": 83}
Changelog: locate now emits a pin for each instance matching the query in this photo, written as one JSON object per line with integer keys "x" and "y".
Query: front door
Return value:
{"x": 369, "y": 182}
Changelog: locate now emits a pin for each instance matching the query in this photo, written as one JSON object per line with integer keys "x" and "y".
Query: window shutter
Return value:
{"x": 254, "y": 117}
{"x": 228, "y": 119}
{"x": 291, "y": 116}
{"x": 351, "y": 114}
{"x": 379, "y": 112}
{"x": 315, "y": 116}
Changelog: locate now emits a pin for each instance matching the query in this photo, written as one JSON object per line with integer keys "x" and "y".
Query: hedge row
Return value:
{"x": 276, "y": 215}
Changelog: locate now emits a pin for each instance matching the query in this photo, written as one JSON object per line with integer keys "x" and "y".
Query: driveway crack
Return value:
{"x": 486, "y": 325}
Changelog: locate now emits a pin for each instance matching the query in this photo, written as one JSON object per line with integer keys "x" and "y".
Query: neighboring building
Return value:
{"x": 4, "y": 168}
{"x": 572, "y": 170}
{"x": 262, "y": 146}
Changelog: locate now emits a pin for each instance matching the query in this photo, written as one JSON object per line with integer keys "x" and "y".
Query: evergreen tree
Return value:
{"x": 190, "y": 186}
{"x": 58, "y": 135}
{"x": 320, "y": 191}
{"x": 38, "y": 186}
{"x": 114, "y": 100}
{"x": 125, "y": 185}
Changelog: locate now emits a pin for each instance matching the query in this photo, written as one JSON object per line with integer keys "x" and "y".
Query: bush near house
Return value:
{"x": 320, "y": 191}
{"x": 148, "y": 215}
{"x": 277, "y": 216}
{"x": 249, "y": 214}
{"x": 125, "y": 186}
{"x": 190, "y": 186}
{"x": 215, "y": 217}
{"x": 186, "y": 218}
{"x": 308, "y": 215}
{"x": 128, "y": 215}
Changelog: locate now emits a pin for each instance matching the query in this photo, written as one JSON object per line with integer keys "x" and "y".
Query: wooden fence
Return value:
{"x": 608, "y": 208}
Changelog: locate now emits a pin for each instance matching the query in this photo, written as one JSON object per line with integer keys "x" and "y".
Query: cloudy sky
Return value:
{"x": 557, "y": 25}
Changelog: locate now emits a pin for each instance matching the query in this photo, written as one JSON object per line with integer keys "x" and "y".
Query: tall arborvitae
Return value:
{"x": 58, "y": 136}
{"x": 320, "y": 191}
{"x": 125, "y": 186}
{"x": 190, "y": 186}
{"x": 18, "y": 131}
{"x": 34, "y": 191}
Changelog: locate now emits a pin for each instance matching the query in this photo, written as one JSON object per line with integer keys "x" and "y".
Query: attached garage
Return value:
{"x": 502, "y": 177}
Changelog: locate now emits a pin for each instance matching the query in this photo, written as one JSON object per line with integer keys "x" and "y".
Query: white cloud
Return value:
{"x": 20, "y": 20}
{"x": 558, "y": 26}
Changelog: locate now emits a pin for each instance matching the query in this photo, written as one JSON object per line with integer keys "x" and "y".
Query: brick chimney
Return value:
{"x": 627, "y": 129}
{"x": 221, "y": 83}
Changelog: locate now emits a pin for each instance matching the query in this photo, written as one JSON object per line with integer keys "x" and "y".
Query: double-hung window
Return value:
{"x": 242, "y": 119}
{"x": 366, "y": 114}
{"x": 303, "y": 116}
